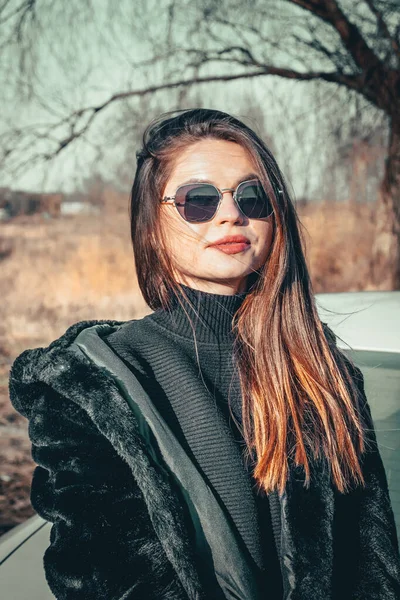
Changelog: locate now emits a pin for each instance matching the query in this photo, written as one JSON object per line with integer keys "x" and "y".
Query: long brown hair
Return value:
{"x": 300, "y": 401}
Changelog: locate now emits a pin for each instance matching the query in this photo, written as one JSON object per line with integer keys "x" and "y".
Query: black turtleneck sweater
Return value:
{"x": 190, "y": 389}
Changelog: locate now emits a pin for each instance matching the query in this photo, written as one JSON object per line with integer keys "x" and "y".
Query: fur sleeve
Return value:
{"x": 102, "y": 543}
{"x": 367, "y": 550}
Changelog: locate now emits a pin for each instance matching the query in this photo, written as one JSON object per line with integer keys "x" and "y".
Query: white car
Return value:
{"x": 367, "y": 324}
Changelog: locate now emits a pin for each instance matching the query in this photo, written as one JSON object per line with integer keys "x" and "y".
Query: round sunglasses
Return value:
{"x": 199, "y": 202}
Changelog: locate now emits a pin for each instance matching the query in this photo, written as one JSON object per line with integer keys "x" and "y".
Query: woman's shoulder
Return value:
{"x": 129, "y": 335}
{"x": 30, "y": 356}
{"x": 44, "y": 366}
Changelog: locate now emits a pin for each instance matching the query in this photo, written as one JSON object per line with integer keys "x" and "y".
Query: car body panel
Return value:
{"x": 21, "y": 569}
{"x": 363, "y": 320}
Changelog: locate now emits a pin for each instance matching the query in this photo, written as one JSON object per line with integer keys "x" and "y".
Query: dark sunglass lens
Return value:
{"x": 197, "y": 203}
{"x": 254, "y": 201}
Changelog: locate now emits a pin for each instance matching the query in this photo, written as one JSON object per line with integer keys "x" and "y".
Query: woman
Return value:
{"x": 222, "y": 446}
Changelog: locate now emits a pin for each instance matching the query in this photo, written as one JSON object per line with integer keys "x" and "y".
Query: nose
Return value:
{"x": 228, "y": 210}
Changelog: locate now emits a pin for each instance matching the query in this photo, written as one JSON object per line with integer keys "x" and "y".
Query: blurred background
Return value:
{"x": 80, "y": 80}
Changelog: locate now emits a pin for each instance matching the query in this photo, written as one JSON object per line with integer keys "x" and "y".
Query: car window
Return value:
{"x": 381, "y": 372}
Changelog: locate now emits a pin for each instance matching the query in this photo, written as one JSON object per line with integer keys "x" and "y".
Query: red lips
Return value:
{"x": 231, "y": 239}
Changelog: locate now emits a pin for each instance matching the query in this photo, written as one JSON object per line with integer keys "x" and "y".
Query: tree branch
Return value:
{"x": 25, "y": 9}
{"x": 330, "y": 12}
{"x": 383, "y": 27}
{"x": 89, "y": 113}
{"x": 318, "y": 47}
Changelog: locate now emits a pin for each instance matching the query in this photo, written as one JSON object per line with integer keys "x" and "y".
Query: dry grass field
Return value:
{"x": 55, "y": 272}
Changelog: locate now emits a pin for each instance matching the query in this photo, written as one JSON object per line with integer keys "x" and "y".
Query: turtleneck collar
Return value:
{"x": 211, "y": 315}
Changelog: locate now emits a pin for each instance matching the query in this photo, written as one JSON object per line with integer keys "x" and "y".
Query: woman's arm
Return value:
{"x": 102, "y": 542}
{"x": 367, "y": 551}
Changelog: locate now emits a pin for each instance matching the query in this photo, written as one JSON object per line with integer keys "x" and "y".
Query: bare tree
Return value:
{"x": 357, "y": 152}
{"x": 353, "y": 44}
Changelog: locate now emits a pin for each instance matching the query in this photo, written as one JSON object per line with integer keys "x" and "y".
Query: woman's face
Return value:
{"x": 198, "y": 264}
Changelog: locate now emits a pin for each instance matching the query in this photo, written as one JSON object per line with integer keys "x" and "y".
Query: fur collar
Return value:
{"x": 333, "y": 546}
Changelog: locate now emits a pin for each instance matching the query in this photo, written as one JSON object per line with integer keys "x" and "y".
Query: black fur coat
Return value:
{"x": 119, "y": 526}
